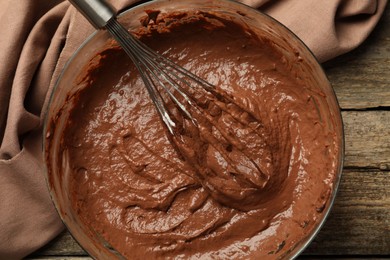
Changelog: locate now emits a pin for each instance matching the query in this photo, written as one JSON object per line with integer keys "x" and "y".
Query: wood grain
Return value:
{"x": 359, "y": 223}
{"x": 367, "y": 139}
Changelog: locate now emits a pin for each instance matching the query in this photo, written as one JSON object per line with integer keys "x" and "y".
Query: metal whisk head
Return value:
{"x": 160, "y": 74}
{"x": 190, "y": 108}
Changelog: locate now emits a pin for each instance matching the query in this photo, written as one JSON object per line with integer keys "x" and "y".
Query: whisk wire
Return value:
{"x": 157, "y": 63}
{"x": 208, "y": 119}
{"x": 126, "y": 39}
{"x": 156, "y": 70}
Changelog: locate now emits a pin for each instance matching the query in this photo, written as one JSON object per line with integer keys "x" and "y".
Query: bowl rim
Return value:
{"x": 301, "y": 245}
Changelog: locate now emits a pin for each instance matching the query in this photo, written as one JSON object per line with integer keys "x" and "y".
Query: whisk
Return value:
{"x": 188, "y": 106}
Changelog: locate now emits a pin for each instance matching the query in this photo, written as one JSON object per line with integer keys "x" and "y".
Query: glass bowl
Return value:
{"x": 57, "y": 170}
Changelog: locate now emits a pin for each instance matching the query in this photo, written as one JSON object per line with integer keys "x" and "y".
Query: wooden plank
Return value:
{"x": 367, "y": 139}
{"x": 342, "y": 257}
{"x": 359, "y": 222}
{"x": 63, "y": 245}
{"x": 361, "y": 78}
{"x": 362, "y": 85}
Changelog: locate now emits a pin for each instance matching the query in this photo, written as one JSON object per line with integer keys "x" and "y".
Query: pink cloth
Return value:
{"x": 38, "y": 37}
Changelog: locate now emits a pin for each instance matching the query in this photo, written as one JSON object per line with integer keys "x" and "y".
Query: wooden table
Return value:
{"x": 359, "y": 223}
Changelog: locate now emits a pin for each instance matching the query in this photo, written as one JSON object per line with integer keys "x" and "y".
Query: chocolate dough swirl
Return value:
{"x": 227, "y": 149}
{"x": 130, "y": 185}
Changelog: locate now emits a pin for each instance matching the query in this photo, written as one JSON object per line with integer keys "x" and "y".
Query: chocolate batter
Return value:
{"x": 149, "y": 200}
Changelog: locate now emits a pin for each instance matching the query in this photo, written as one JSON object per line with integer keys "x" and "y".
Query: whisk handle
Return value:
{"x": 98, "y": 12}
